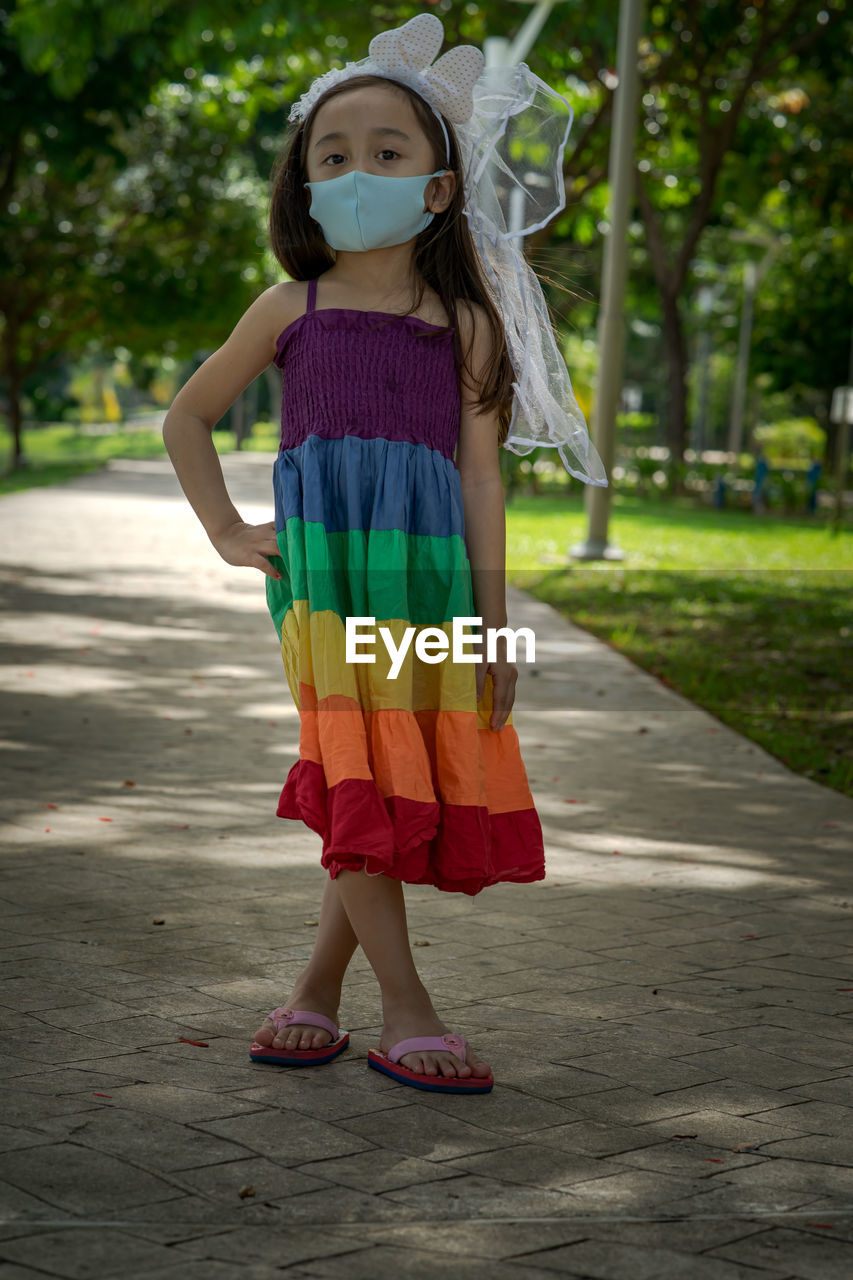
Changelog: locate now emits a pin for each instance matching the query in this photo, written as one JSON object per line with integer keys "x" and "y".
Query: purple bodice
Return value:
{"x": 369, "y": 374}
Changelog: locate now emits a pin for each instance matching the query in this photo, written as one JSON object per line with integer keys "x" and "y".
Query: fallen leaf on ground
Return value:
{"x": 199, "y": 1044}
{"x": 246, "y": 1191}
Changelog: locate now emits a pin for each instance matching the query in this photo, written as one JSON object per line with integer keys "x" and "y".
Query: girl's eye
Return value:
{"x": 336, "y": 155}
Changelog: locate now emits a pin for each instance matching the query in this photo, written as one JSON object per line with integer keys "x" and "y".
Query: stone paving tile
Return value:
{"x": 603, "y": 1002}
{"x": 809, "y": 1256}
{"x": 641, "y": 1036}
{"x": 722, "y": 1198}
{"x": 598, "y": 1260}
{"x": 77, "y": 1178}
{"x": 825, "y": 1150}
{"x": 210, "y": 1270}
{"x": 282, "y": 1248}
{"x": 837, "y": 1027}
{"x": 508, "y": 1111}
{"x": 171, "y": 1102}
{"x": 80, "y": 1015}
{"x": 25, "y": 1108}
{"x": 595, "y": 1138}
{"x": 745, "y": 1062}
{"x": 19, "y": 1207}
{"x": 409, "y": 1262}
{"x": 547, "y": 1079}
{"x": 827, "y": 1215}
{"x": 329, "y": 1099}
{"x": 717, "y": 1128}
{"x": 652, "y": 1072}
{"x": 162, "y": 1146}
{"x": 699, "y": 1159}
{"x": 637, "y": 1192}
{"x": 295, "y": 1143}
{"x": 530, "y": 1164}
{"x": 80, "y": 1253}
{"x": 813, "y": 1178}
{"x": 271, "y": 1181}
{"x": 363, "y": 1172}
{"x": 338, "y": 1205}
{"x": 814, "y": 1117}
{"x": 428, "y": 1133}
{"x": 483, "y": 1240}
{"x": 813, "y": 1050}
{"x": 631, "y": 1106}
{"x": 161, "y": 1066}
{"x": 737, "y": 1097}
{"x": 836, "y": 1089}
{"x": 679, "y": 1237}
{"x": 52, "y": 1046}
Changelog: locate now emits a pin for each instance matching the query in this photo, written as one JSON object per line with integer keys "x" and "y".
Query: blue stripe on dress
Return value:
{"x": 348, "y": 482}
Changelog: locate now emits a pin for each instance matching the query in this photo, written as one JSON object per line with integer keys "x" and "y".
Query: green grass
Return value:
{"x": 58, "y": 452}
{"x": 750, "y": 619}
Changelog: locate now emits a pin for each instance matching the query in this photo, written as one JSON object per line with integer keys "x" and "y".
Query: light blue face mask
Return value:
{"x": 359, "y": 211}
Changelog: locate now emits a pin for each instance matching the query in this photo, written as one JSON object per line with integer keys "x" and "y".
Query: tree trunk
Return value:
{"x": 676, "y": 358}
{"x": 238, "y": 420}
{"x": 16, "y": 424}
{"x": 13, "y": 377}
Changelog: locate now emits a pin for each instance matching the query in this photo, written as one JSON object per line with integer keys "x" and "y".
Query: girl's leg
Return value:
{"x": 377, "y": 912}
{"x": 318, "y": 987}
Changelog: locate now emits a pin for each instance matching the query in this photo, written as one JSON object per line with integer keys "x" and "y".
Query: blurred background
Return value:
{"x": 137, "y": 143}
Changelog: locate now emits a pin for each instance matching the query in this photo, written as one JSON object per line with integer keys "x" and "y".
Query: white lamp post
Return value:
{"x": 611, "y": 316}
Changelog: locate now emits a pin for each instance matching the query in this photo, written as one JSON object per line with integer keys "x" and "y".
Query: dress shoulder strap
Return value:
{"x": 312, "y": 296}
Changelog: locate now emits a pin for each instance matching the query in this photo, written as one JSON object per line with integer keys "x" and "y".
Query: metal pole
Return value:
{"x": 611, "y": 325}
{"x": 533, "y": 24}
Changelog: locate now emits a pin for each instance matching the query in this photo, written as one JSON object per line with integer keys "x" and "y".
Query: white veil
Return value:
{"x": 512, "y": 159}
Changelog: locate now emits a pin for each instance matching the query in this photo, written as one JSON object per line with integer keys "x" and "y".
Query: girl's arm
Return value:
{"x": 477, "y": 460}
{"x": 195, "y": 411}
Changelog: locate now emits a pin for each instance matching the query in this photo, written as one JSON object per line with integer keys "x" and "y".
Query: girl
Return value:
{"x": 389, "y": 504}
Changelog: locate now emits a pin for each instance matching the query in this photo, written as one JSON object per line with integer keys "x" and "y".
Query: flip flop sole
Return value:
{"x": 450, "y": 1084}
{"x": 298, "y": 1057}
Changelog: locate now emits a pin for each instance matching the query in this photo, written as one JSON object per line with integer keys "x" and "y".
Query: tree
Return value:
{"x": 131, "y": 212}
{"x": 710, "y": 75}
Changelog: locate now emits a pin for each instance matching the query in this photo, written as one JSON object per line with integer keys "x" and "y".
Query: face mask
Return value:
{"x": 359, "y": 211}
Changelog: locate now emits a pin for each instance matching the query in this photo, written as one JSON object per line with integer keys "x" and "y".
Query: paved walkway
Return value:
{"x": 669, "y": 1015}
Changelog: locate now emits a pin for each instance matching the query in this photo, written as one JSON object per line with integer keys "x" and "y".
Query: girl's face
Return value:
{"x": 375, "y": 129}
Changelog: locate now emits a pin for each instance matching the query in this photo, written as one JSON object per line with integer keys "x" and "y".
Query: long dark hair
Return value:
{"x": 444, "y": 257}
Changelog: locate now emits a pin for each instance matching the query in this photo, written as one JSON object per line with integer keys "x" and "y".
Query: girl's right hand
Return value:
{"x": 250, "y": 545}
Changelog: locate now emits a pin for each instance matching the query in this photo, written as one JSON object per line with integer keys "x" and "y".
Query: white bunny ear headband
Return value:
{"x": 512, "y": 136}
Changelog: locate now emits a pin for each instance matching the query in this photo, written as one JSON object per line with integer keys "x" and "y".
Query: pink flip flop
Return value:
{"x": 389, "y": 1064}
{"x": 301, "y": 1057}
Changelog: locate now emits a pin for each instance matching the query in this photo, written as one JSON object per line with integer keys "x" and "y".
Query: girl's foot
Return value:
{"x": 418, "y": 1018}
{"x": 316, "y": 998}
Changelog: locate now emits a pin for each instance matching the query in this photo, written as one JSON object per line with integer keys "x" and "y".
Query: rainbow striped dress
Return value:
{"x": 399, "y": 775}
